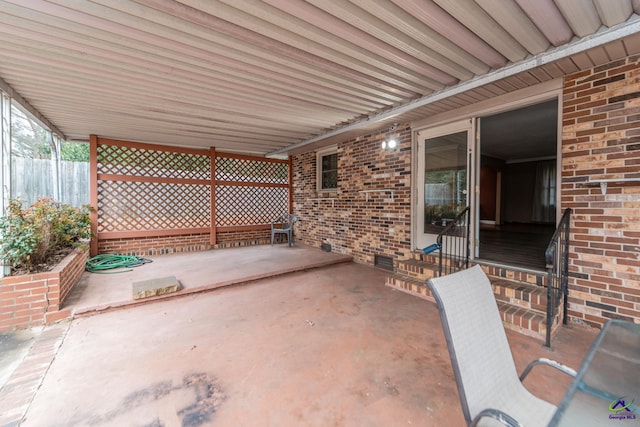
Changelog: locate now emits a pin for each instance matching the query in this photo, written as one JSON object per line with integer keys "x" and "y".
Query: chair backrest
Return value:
{"x": 286, "y": 221}
{"x": 480, "y": 354}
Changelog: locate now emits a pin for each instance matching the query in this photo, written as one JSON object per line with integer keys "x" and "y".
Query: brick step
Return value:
{"x": 520, "y": 294}
{"x": 538, "y": 278}
{"x": 523, "y": 320}
{"x": 426, "y": 266}
{"x": 429, "y": 258}
{"x": 522, "y": 306}
{"x": 510, "y": 273}
{"x": 411, "y": 285}
{"x": 417, "y": 268}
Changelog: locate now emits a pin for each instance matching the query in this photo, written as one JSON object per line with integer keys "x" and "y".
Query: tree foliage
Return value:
{"x": 30, "y": 140}
{"x": 74, "y": 151}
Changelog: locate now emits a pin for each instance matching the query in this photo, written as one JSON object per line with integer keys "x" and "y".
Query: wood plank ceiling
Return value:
{"x": 265, "y": 76}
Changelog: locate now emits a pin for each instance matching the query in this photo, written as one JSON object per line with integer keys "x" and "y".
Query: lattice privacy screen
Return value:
{"x": 149, "y": 189}
{"x": 249, "y": 205}
{"x": 251, "y": 170}
{"x": 134, "y": 161}
{"x": 158, "y": 189}
{"x": 137, "y": 206}
{"x": 250, "y": 190}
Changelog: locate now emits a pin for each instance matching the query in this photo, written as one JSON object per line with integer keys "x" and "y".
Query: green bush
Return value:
{"x": 31, "y": 236}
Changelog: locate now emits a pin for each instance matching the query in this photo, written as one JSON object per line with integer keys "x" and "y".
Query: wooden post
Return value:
{"x": 212, "y": 160}
{"x": 93, "y": 192}
{"x": 291, "y": 184}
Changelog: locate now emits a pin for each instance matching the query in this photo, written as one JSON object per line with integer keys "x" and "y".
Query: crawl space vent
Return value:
{"x": 384, "y": 262}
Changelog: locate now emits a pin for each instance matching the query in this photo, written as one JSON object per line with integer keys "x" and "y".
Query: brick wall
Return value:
{"x": 69, "y": 272}
{"x": 231, "y": 239}
{"x": 158, "y": 245}
{"x": 601, "y": 140}
{"x": 34, "y": 299}
{"x": 351, "y": 224}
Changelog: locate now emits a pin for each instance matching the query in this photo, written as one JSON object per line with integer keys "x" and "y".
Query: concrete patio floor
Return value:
{"x": 330, "y": 346}
{"x": 196, "y": 272}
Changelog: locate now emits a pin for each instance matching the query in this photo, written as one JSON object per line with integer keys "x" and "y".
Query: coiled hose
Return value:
{"x": 102, "y": 263}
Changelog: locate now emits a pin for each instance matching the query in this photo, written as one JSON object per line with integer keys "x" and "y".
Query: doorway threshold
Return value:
{"x": 518, "y": 268}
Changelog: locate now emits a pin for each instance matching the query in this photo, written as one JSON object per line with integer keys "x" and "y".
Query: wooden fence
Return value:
{"x": 32, "y": 179}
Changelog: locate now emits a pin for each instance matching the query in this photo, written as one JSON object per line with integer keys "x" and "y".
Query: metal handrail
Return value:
{"x": 448, "y": 241}
{"x": 557, "y": 263}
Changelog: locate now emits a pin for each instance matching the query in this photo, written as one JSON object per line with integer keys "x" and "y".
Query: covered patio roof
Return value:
{"x": 273, "y": 77}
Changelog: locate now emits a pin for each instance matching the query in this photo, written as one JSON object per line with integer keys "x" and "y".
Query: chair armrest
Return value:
{"x": 548, "y": 362}
{"x": 498, "y": 415}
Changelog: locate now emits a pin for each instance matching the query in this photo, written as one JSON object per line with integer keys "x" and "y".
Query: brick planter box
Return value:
{"x": 35, "y": 299}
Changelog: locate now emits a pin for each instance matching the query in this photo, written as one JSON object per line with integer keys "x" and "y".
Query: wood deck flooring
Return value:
{"x": 521, "y": 245}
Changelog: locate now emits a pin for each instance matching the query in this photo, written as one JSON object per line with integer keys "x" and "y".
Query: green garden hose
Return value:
{"x": 103, "y": 262}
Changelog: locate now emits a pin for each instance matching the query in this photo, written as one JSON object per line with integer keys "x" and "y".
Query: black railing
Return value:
{"x": 454, "y": 244}
{"x": 557, "y": 259}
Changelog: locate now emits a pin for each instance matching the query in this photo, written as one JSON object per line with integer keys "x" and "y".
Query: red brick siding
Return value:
{"x": 160, "y": 245}
{"x": 229, "y": 239}
{"x": 349, "y": 223}
{"x": 70, "y": 270}
{"x": 25, "y": 300}
{"x": 601, "y": 140}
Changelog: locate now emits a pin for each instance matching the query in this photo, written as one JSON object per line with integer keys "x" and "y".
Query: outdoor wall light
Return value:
{"x": 390, "y": 143}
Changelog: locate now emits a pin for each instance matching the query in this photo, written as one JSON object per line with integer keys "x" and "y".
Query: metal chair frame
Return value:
{"x": 488, "y": 384}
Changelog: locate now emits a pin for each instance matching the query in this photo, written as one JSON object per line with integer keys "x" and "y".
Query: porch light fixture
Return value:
{"x": 390, "y": 142}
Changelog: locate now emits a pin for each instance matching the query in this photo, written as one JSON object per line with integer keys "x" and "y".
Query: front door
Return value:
{"x": 444, "y": 155}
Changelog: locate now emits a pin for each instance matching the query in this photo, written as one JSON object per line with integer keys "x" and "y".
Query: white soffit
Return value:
{"x": 275, "y": 76}
{"x": 397, "y": 114}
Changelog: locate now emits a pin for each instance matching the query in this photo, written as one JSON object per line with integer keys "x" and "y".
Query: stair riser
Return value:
{"x": 517, "y": 313}
{"x": 412, "y": 287}
{"x": 538, "y": 279}
{"x": 426, "y": 266}
{"x": 416, "y": 271}
{"x": 431, "y": 259}
{"x": 526, "y": 325}
{"x": 532, "y": 300}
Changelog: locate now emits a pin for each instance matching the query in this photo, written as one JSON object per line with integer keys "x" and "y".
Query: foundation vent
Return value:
{"x": 384, "y": 262}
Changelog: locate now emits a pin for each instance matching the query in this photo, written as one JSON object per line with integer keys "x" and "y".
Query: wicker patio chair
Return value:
{"x": 491, "y": 393}
{"x": 283, "y": 225}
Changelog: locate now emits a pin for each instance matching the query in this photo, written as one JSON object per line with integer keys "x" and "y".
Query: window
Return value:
{"x": 327, "y": 167}
{"x": 445, "y": 178}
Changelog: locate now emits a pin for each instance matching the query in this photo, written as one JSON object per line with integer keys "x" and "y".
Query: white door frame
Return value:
{"x": 513, "y": 100}
{"x": 420, "y": 239}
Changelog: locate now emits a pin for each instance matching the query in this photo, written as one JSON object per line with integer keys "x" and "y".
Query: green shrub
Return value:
{"x": 31, "y": 236}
